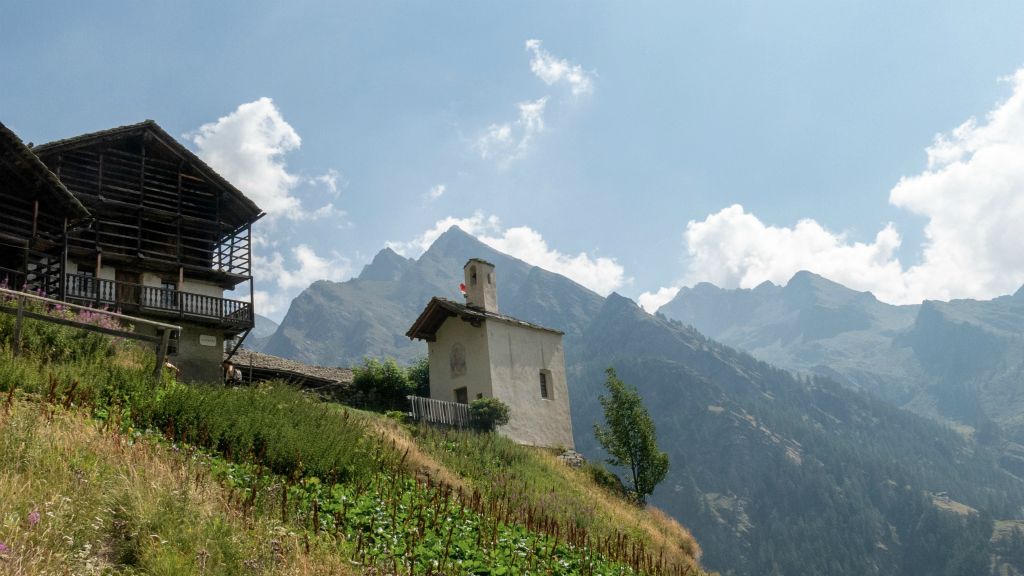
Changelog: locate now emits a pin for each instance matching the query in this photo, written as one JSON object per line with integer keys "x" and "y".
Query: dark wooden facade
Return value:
{"x": 35, "y": 210}
{"x": 157, "y": 209}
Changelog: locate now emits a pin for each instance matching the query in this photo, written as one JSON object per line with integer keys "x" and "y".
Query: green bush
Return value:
{"x": 419, "y": 377}
{"x": 488, "y": 413}
{"x": 605, "y": 478}
{"x": 383, "y": 384}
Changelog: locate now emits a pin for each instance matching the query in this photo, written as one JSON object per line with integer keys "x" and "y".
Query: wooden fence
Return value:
{"x": 440, "y": 412}
{"x": 20, "y": 310}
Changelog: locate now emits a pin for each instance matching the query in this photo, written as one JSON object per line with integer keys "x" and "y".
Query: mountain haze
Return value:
{"x": 960, "y": 361}
{"x": 774, "y": 473}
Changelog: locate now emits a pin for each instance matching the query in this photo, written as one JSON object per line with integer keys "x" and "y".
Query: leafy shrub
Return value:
{"x": 384, "y": 384}
{"x": 605, "y": 478}
{"x": 419, "y": 377}
{"x": 488, "y": 413}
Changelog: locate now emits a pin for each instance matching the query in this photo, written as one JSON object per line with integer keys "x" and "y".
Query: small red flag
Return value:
{"x": 462, "y": 288}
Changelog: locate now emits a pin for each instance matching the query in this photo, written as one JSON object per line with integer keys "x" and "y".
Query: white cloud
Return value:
{"x": 600, "y": 274}
{"x": 331, "y": 179}
{"x": 553, "y": 70}
{"x": 476, "y": 224}
{"x": 436, "y": 192}
{"x": 291, "y": 275}
{"x": 511, "y": 140}
{"x": 972, "y": 195}
{"x": 248, "y": 148}
{"x": 734, "y": 248}
{"x": 651, "y": 301}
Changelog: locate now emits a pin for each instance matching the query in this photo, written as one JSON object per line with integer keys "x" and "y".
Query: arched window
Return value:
{"x": 472, "y": 275}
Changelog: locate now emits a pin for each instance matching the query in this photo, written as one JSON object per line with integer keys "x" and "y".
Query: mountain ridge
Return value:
{"x": 954, "y": 361}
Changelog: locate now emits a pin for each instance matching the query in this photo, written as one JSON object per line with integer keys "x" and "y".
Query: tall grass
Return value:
{"x": 289, "y": 432}
{"x": 75, "y": 499}
{"x": 531, "y": 483}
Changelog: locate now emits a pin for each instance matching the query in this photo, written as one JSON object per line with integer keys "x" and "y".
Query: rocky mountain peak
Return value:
{"x": 386, "y": 265}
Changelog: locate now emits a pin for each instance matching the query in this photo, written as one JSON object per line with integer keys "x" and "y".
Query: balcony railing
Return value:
{"x": 156, "y": 300}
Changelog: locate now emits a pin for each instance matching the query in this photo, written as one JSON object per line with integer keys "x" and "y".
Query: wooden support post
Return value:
{"x": 96, "y": 277}
{"x": 35, "y": 218}
{"x": 64, "y": 263}
{"x": 161, "y": 352}
{"x": 16, "y": 339}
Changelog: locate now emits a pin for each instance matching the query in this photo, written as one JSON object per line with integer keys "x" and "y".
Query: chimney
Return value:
{"x": 481, "y": 290}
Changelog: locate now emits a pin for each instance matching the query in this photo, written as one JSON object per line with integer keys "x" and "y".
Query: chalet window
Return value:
{"x": 462, "y": 395}
{"x": 545, "y": 379}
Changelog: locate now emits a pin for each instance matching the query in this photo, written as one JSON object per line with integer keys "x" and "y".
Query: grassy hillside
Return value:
{"x": 104, "y": 471}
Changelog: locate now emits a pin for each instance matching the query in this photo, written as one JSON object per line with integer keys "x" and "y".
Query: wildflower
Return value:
{"x": 33, "y": 518}
{"x": 3, "y": 548}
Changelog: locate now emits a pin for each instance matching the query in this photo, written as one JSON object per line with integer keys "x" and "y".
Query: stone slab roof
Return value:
{"x": 268, "y": 366}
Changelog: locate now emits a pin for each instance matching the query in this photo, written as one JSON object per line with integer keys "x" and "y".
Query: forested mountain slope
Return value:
{"x": 775, "y": 474}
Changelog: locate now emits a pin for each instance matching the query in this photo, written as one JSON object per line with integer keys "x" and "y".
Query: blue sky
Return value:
{"x": 637, "y": 147}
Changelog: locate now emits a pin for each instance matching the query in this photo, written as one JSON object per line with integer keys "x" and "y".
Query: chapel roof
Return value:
{"x": 440, "y": 309}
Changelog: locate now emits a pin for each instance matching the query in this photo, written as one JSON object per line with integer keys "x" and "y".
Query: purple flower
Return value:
{"x": 3, "y": 548}
{"x": 33, "y": 518}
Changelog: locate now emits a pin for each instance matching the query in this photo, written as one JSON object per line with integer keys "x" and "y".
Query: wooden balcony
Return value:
{"x": 234, "y": 315}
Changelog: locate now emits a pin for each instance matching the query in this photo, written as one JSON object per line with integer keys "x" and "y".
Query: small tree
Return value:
{"x": 385, "y": 384}
{"x": 629, "y": 437}
{"x": 419, "y": 377}
{"x": 488, "y": 413}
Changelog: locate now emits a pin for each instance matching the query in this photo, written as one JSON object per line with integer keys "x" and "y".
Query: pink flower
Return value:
{"x": 3, "y": 548}
{"x": 33, "y": 518}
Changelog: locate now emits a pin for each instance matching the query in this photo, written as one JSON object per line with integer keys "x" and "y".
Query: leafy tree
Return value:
{"x": 385, "y": 384}
{"x": 488, "y": 413}
{"x": 629, "y": 437}
{"x": 419, "y": 376}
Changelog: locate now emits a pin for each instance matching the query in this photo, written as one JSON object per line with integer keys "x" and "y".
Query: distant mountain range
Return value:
{"x": 961, "y": 361}
{"x": 774, "y": 473}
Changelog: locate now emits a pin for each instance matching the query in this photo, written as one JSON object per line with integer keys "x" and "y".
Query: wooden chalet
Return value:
{"x": 168, "y": 236}
{"x": 36, "y": 211}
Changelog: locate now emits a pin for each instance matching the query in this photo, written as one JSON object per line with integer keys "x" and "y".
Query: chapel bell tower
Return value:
{"x": 481, "y": 290}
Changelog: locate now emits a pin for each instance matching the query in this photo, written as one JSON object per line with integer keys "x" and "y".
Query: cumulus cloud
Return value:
{"x": 248, "y": 147}
{"x": 600, "y": 274}
{"x": 476, "y": 225}
{"x": 734, "y": 248}
{"x": 651, "y": 301}
{"x": 507, "y": 142}
{"x": 293, "y": 273}
{"x": 972, "y": 195}
{"x": 554, "y": 70}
